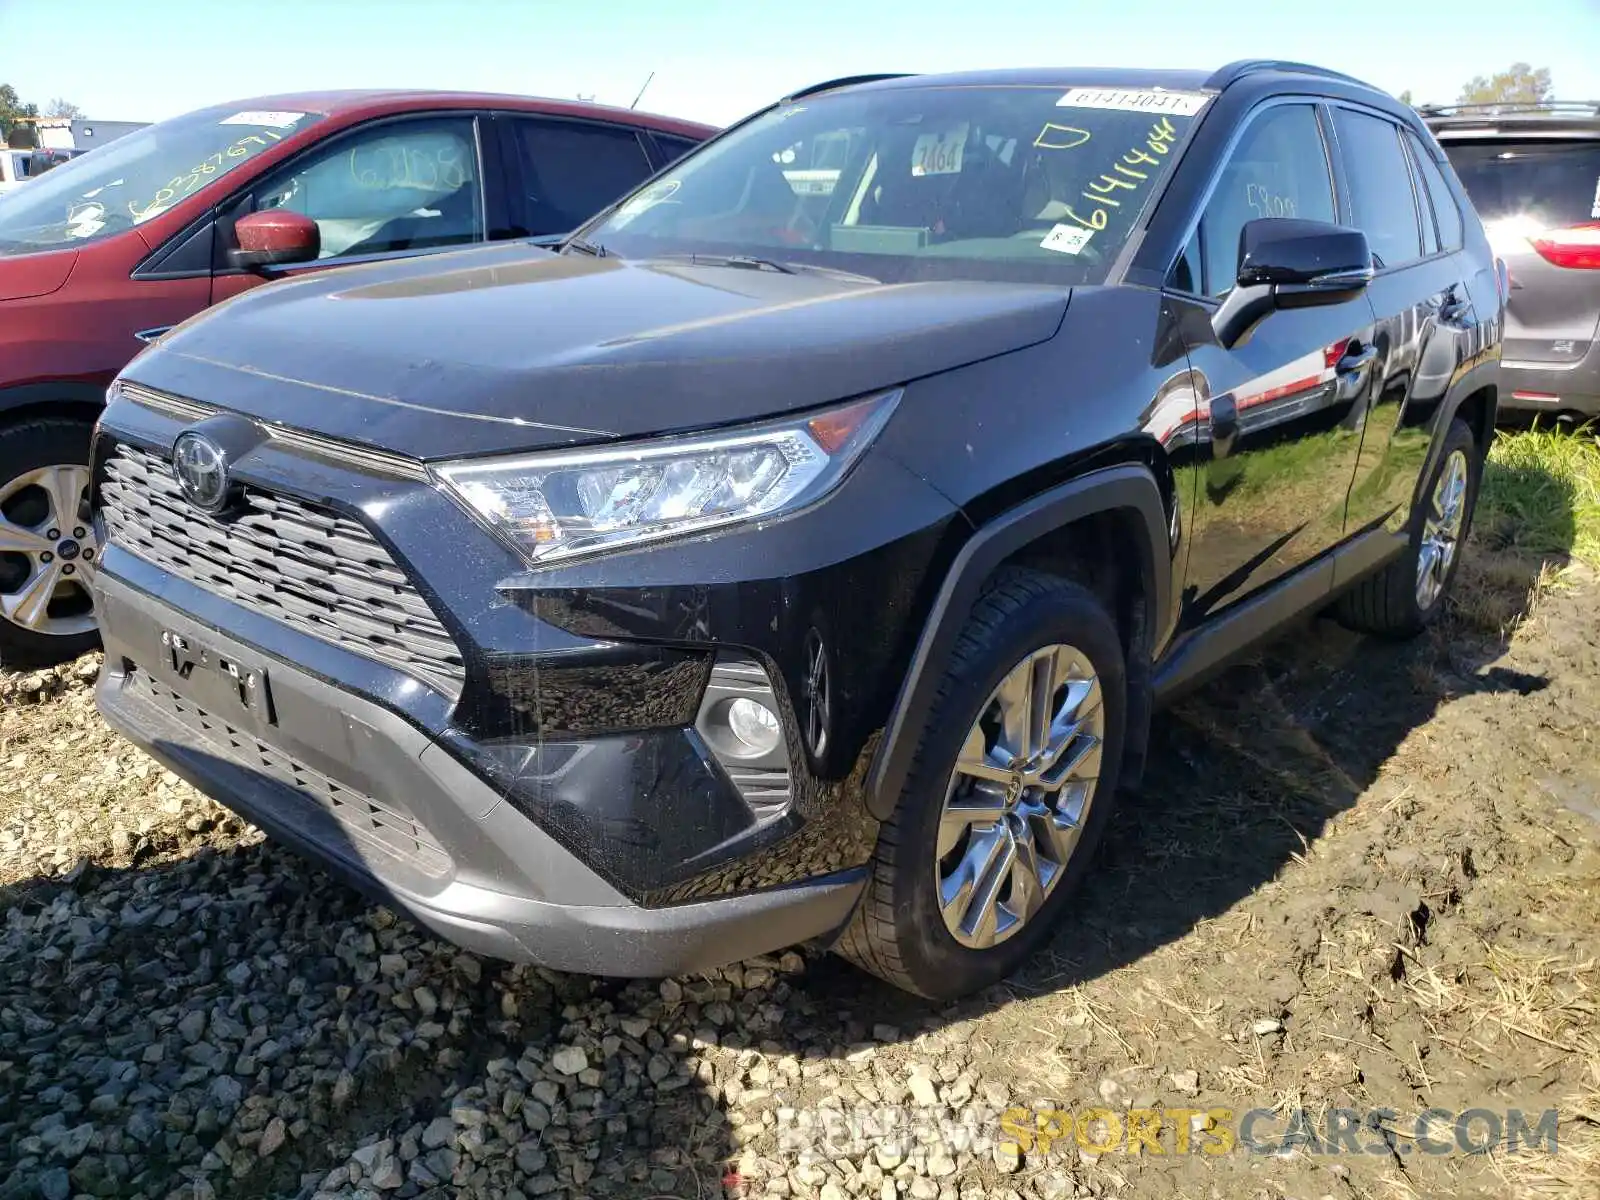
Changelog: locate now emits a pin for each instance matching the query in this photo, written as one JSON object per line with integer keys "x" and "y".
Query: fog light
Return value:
{"x": 739, "y": 723}
{"x": 754, "y": 724}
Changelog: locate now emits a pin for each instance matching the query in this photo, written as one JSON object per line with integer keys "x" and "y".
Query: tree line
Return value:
{"x": 1520, "y": 83}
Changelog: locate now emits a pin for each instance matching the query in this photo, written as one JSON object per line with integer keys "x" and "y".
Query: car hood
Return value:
{"x": 514, "y": 348}
{"x": 24, "y": 276}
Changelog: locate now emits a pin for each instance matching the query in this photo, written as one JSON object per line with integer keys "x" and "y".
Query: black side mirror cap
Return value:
{"x": 1288, "y": 251}
{"x": 1288, "y": 263}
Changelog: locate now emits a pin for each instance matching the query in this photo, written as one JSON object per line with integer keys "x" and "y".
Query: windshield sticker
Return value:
{"x": 85, "y": 220}
{"x": 1067, "y": 239}
{"x": 1060, "y": 137}
{"x": 272, "y": 120}
{"x": 1157, "y": 100}
{"x": 1126, "y": 177}
{"x": 1594, "y": 209}
{"x": 939, "y": 153}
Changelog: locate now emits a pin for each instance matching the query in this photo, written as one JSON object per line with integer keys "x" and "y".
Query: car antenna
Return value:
{"x": 640, "y": 96}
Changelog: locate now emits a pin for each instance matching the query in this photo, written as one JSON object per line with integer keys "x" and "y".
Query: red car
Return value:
{"x": 115, "y": 247}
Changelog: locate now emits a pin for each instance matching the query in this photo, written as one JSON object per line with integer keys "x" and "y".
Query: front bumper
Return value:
{"x": 383, "y": 806}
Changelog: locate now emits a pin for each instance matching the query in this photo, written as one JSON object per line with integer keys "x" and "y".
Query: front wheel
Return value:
{"x": 1008, "y": 795}
{"x": 48, "y": 552}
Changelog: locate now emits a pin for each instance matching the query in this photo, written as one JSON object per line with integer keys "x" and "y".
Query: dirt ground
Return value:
{"x": 1359, "y": 876}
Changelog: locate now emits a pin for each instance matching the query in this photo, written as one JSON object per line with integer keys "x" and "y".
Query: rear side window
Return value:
{"x": 1553, "y": 182}
{"x": 673, "y": 148}
{"x": 571, "y": 171}
{"x": 1380, "y": 186}
{"x": 1439, "y": 195}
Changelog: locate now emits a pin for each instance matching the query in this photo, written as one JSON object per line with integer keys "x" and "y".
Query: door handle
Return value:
{"x": 1452, "y": 306}
{"x": 1356, "y": 359}
{"x": 1224, "y": 425}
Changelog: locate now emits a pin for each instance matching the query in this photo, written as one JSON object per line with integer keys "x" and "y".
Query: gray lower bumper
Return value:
{"x": 377, "y": 802}
{"x": 1574, "y": 386}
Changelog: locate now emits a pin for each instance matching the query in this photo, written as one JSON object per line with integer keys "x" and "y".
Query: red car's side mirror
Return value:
{"x": 274, "y": 237}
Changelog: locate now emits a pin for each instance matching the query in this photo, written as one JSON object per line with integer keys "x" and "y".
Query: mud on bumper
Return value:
{"x": 380, "y": 804}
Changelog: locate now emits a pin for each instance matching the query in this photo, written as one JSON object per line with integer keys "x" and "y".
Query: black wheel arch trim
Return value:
{"x": 1124, "y": 487}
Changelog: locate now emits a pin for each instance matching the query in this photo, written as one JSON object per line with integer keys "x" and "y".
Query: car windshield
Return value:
{"x": 139, "y": 176}
{"x": 1541, "y": 183}
{"x": 1023, "y": 183}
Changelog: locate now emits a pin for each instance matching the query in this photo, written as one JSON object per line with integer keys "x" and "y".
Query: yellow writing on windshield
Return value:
{"x": 1060, "y": 137}
{"x": 1127, "y": 176}
{"x": 191, "y": 181}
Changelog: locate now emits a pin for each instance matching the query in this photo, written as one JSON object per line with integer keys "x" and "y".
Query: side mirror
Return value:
{"x": 1289, "y": 263}
{"x": 274, "y": 237}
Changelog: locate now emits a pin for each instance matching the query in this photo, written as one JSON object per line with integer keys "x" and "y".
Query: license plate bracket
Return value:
{"x": 233, "y": 686}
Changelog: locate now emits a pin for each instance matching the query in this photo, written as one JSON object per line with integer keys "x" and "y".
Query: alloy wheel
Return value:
{"x": 48, "y": 552}
{"x": 1441, "y": 529}
{"x": 1017, "y": 800}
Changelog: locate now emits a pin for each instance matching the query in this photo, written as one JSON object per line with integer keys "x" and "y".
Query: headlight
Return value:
{"x": 560, "y": 505}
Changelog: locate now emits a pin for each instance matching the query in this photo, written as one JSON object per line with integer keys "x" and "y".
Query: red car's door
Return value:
{"x": 389, "y": 188}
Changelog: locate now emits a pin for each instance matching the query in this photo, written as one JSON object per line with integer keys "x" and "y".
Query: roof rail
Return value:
{"x": 844, "y": 81}
{"x": 1495, "y": 108}
{"x": 1235, "y": 71}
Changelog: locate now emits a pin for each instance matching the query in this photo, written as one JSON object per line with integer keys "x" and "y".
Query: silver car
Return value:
{"x": 1533, "y": 173}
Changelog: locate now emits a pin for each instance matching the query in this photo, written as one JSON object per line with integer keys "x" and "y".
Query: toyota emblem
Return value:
{"x": 201, "y": 469}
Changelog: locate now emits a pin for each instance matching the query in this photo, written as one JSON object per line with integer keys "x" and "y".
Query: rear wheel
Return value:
{"x": 1404, "y": 598}
{"x": 1007, "y": 797}
{"x": 48, "y": 552}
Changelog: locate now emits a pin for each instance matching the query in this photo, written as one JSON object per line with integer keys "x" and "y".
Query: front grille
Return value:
{"x": 384, "y": 826}
{"x": 304, "y": 565}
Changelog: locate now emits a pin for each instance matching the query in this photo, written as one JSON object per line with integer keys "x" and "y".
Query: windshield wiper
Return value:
{"x": 592, "y": 249}
{"x": 748, "y": 262}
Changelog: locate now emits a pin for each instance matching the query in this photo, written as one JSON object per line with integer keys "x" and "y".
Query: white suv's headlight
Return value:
{"x": 567, "y": 503}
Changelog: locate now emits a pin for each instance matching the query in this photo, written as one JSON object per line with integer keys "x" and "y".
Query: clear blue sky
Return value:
{"x": 718, "y": 59}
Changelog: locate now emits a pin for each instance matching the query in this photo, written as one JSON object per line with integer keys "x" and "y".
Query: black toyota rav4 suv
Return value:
{"x": 800, "y": 550}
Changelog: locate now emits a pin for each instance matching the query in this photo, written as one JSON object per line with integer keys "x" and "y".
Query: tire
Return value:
{"x": 40, "y": 460}
{"x": 1389, "y": 603}
{"x": 898, "y": 931}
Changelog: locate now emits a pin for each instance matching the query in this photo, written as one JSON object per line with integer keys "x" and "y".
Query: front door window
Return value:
{"x": 410, "y": 185}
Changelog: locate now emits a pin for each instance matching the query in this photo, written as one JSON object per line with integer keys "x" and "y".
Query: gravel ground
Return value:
{"x": 1358, "y": 874}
